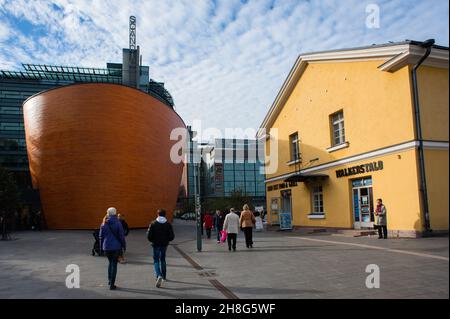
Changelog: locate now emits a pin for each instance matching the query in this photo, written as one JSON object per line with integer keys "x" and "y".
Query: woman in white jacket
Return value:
{"x": 231, "y": 226}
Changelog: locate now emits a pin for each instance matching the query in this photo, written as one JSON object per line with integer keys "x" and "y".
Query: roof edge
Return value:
{"x": 396, "y": 55}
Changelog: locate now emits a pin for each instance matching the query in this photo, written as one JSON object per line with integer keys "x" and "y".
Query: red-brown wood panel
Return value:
{"x": 93, "y": 146}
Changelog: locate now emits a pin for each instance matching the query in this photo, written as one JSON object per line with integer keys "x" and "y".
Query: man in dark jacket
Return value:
{"x": 218, "y": 223}
{"x": 160, "y": 233}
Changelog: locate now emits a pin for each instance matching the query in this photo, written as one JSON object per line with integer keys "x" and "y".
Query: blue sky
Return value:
{"x": 222, "y": 61}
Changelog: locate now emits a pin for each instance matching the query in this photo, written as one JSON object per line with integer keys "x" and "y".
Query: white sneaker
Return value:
{"x": 159, "y": 282}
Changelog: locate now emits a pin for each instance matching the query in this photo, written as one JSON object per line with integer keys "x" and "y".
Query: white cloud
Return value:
{"x": 222, "y": 61}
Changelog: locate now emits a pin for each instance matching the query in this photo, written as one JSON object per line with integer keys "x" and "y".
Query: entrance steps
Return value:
{"x": 356, "y": 232}
{"x": 327, "y": 231}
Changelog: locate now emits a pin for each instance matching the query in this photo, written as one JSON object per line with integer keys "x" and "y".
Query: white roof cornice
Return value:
{"x": 395, "y": 57}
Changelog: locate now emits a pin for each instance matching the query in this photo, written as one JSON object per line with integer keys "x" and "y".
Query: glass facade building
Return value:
{"x": 233, "y": 165}
{"x": 17, "y": 86}
{"x": 228, "y": 165}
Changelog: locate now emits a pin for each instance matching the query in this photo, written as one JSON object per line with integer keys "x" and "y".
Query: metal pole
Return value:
{"x": 198, "y": 206}
{"x": 423, "y": 184}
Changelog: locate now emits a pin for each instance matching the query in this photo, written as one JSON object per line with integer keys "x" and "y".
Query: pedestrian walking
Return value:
{"x": 38, "y": 220}
{"x": 247, "y": 222}
{"x": 381, "y": 221}
{"x": 231, "y": 226}
{"x": 218, "y": 223}
{"x": 208, "y": 224}
{"x": 112, "y": 241}
{"x": 160, "y": 233}
{"x": 126, "y": 230}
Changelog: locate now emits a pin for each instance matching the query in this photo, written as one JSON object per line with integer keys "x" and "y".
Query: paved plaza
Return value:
{"x": 281, "y": 265}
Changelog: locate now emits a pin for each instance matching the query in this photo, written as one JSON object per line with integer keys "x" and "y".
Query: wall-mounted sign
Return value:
{"x": 286, "y": 193}
{"x": 281, "y": 186}
{"x": 285, "y": 221}
{"x": 218, "y": 177}
{"x": 274, "y": 204}
{"x": 360, "y": 169}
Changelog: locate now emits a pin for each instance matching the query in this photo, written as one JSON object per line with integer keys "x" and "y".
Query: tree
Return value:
{"x": 239, "y": 199}
{"x": 216, "y": 203}
{"x": 9, "y": 198}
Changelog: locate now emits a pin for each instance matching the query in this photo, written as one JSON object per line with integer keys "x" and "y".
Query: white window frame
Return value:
{"x": 295, "y": 157}
{"x": 317, "y": 203}
{"x": 337, "y": 126}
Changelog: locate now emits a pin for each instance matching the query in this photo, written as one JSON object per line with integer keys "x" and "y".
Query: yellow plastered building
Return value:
{"x": 343, "y": 132}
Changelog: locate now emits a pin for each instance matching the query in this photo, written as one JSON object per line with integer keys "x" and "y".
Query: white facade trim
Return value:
{"x": 384, "y": 151}
{"x": 294, "y": 162}
{"x": 395, "y": 57}
{"x": 437, "y": 58}
{"x": 435, "y": 145}
{"x": 316, "y": 216}
{"x": 337, "y": 147}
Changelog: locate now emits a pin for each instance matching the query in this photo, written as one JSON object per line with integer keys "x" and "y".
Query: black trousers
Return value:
{"x": 208, "y": 233}
{"x": 231, "y": 238}
{"x": 113, "y": 256}
{"x": 382, "y": 230}
{"x": 248, "y": 231}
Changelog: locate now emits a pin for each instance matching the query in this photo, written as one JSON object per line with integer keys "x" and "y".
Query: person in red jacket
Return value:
{"x": 208, "y": 224}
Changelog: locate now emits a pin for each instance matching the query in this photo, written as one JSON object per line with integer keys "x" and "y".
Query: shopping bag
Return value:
{"x": 223, "y": 236}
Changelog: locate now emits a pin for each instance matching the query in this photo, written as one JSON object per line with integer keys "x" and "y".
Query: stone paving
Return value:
{"x": 281, "y": 265}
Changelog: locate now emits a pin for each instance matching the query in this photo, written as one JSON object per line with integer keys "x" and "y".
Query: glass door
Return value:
{"x": 362, "y": 203}
{"x": 286, "y": 210}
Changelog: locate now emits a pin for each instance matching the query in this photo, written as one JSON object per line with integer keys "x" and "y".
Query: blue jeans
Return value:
{"x": 218, "y": 229}
{"x": 159, "y": 261}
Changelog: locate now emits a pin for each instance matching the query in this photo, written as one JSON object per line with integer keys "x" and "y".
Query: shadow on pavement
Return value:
{"x": 161, "y": 292}
{"x": 149, "y": 263}
{"x": 272, "y": 291}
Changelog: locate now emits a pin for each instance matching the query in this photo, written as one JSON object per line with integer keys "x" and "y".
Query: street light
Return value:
{"x": 197, "y": 198}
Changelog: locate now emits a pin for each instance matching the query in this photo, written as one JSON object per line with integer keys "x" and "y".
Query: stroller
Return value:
{"x": 97, "y": 249}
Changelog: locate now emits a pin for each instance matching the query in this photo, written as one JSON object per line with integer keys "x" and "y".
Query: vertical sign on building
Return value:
{"x": 132, "y": 33}
{"x": 218, "y": 178}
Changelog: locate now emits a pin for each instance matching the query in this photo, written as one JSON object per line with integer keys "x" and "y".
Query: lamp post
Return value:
{"x": 198, "y": 208}
{"x": 196, "y": 160}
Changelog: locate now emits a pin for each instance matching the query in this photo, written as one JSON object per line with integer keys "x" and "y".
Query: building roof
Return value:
{"x": 382, "y": 45}
{"x": 64, "y": 73}
{"x": 71, "y": 74}
{"x": 395, "y": 55}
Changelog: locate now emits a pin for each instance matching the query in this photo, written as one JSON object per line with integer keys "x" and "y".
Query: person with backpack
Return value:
{"x": 112, "y": 241}
{"x": 160, "y": 233}
{"x": 126, "y": 230}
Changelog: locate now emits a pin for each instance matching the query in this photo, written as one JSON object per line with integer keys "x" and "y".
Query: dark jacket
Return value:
{"x": 160, "y": 232}
{"x": 218, "y": 221}
{"x": 111, "y": 235}
{"x": 381, "y": 212}
{"x": 125, "y": 227}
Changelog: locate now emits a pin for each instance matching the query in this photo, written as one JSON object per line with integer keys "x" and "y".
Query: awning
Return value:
{"x": 302, "y": 177}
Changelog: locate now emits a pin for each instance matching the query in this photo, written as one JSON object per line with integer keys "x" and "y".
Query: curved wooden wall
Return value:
{"x": 93, "y": 146}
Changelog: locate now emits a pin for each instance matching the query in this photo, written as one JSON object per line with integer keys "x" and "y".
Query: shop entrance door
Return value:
{"x": 274, "y": 211}
{"x": 362, "y": 203}
{"x": 286, "y": 210}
